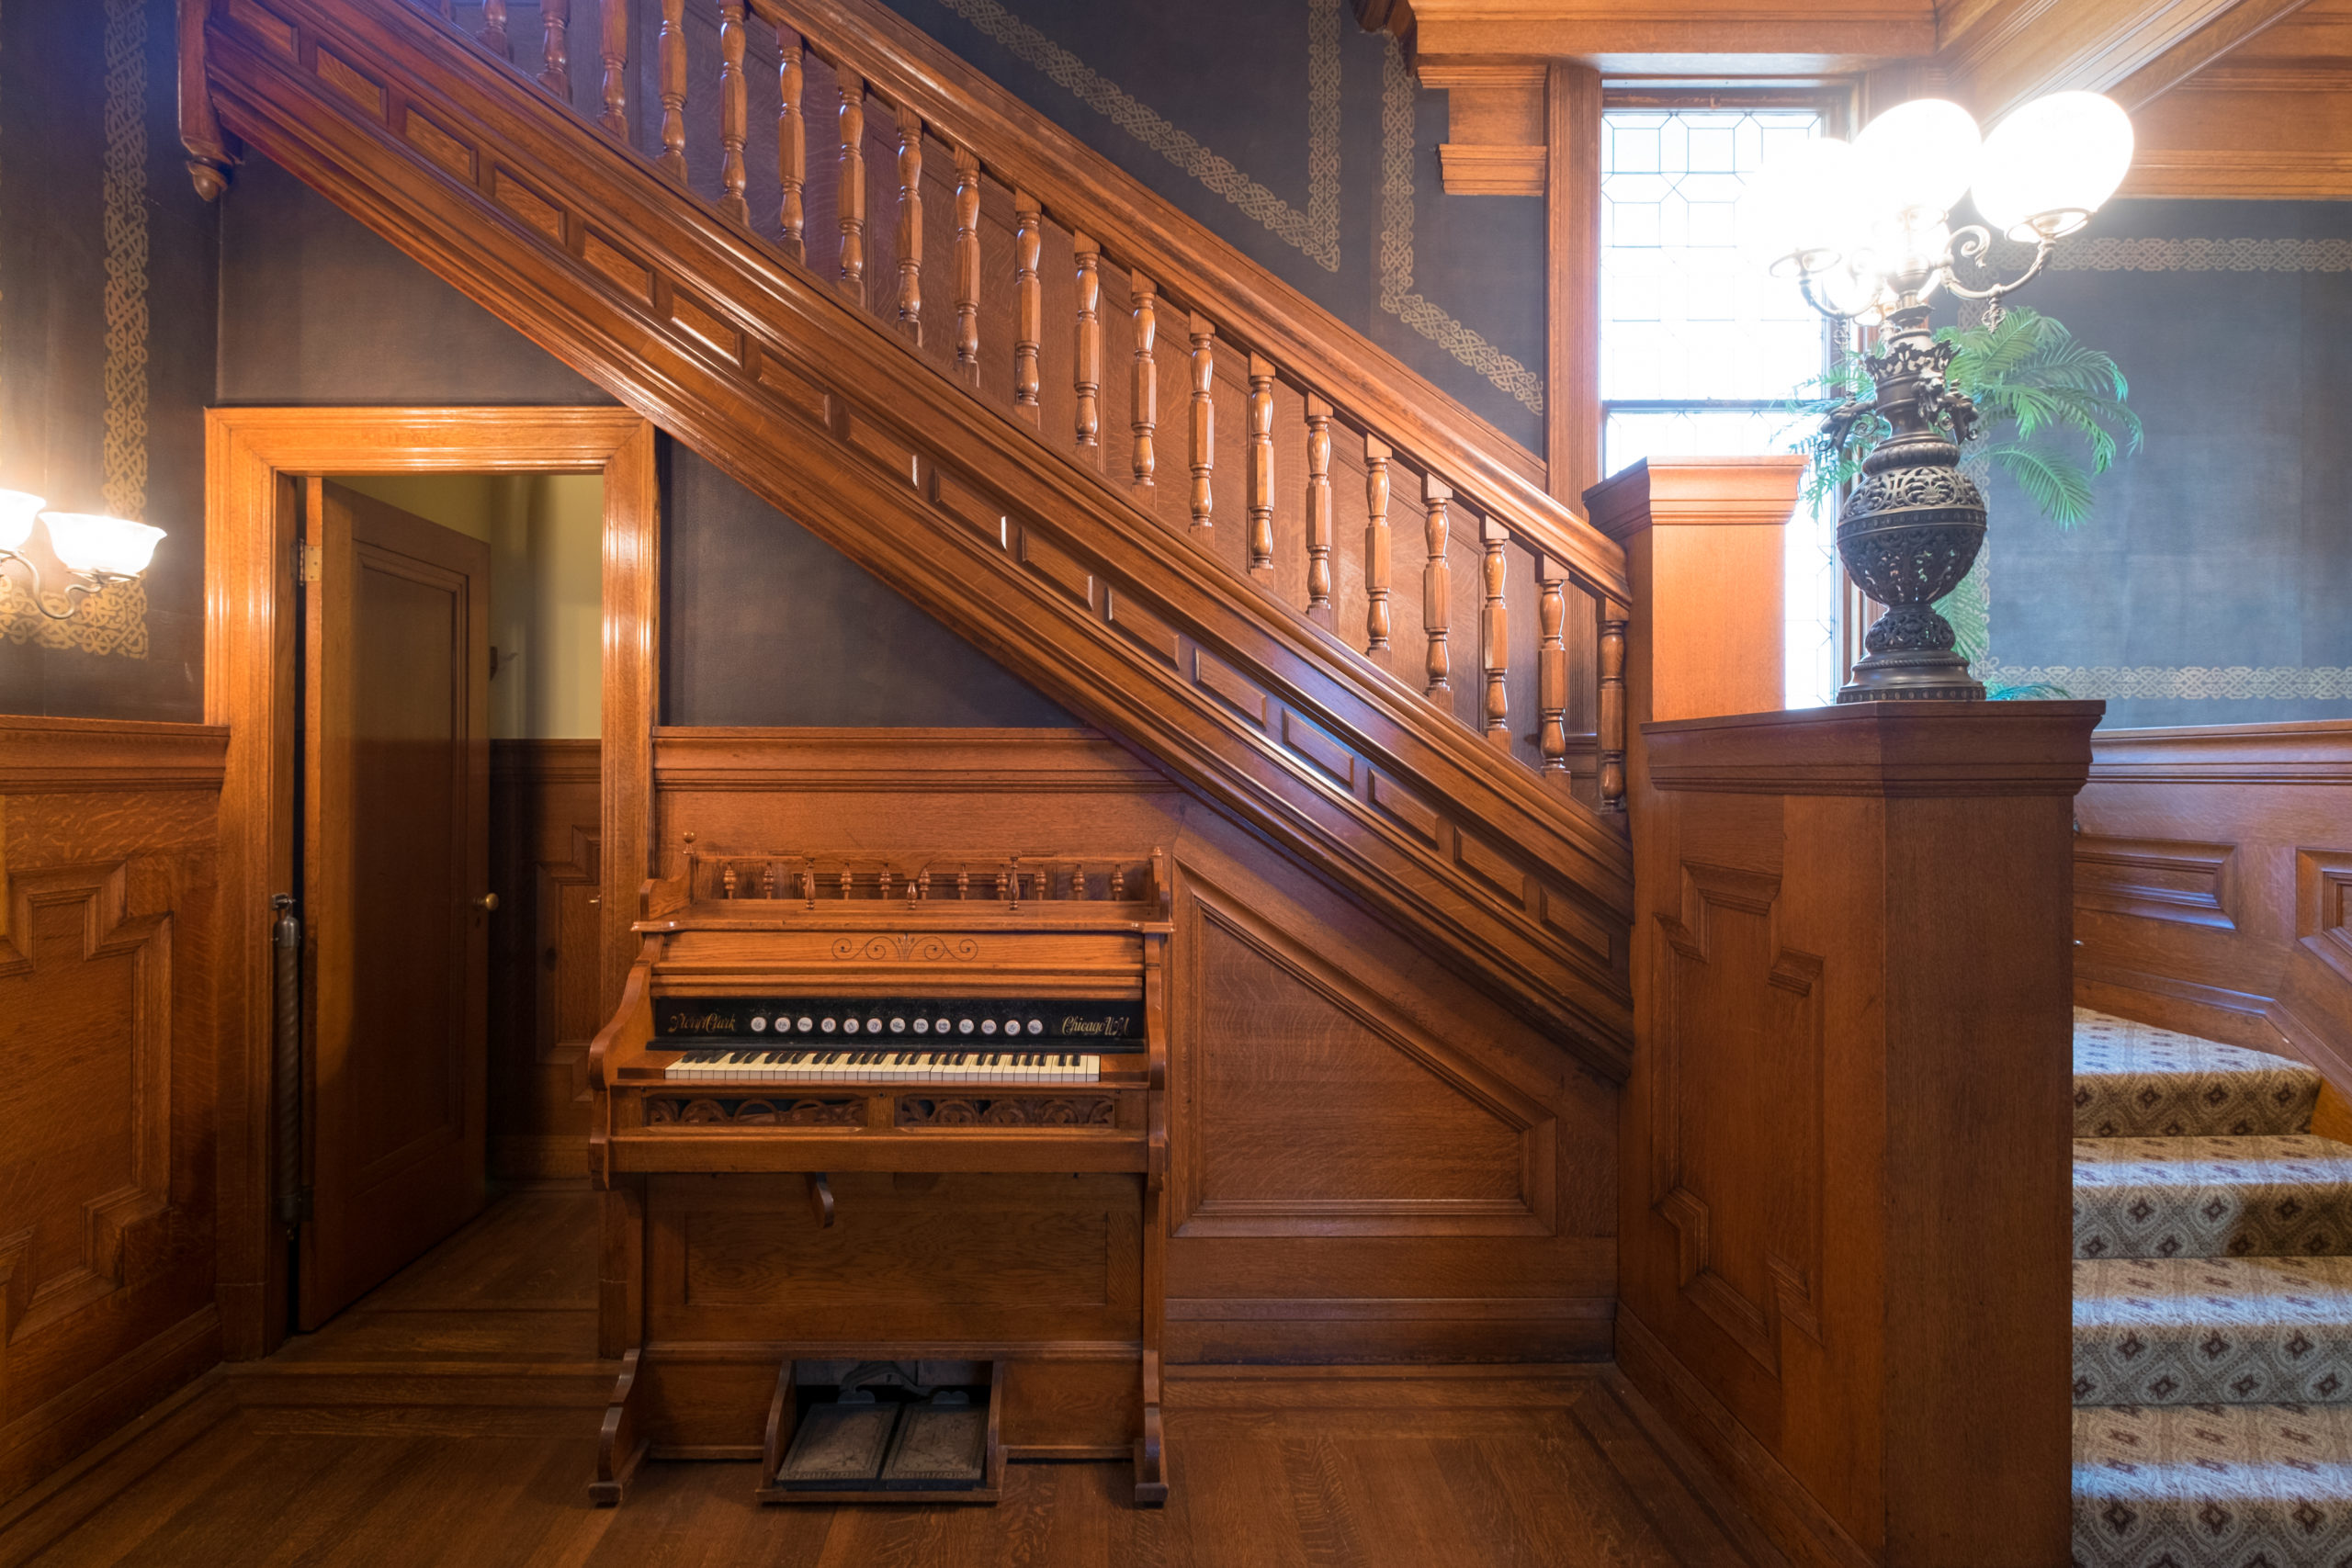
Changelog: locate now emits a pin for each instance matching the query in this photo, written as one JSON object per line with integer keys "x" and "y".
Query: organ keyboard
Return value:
{"x": 956, "y": 1067}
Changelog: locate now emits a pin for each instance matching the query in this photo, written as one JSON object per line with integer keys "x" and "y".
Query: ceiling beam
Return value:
{"x": 1996, "y": 54}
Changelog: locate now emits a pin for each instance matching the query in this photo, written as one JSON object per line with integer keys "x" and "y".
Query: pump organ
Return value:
{"x": 857, "y": 1112}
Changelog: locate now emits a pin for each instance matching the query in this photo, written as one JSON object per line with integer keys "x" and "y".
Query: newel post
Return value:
{"x": 1843, "y": 1182}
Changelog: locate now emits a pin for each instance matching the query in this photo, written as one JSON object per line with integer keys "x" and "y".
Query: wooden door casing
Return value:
{"x": 396, "y": 854}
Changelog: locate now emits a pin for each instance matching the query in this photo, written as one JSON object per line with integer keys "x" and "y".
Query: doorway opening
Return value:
{"x": 445, "y": 617}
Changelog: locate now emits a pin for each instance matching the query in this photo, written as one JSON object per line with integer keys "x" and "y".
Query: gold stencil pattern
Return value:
{"x": 1314, "y": 232}
{"x": 113, "y": 623}
{"x": 1397, "y": 295}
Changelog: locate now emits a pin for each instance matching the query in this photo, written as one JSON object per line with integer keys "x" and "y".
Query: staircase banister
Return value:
{"x": 1197, "y": 270}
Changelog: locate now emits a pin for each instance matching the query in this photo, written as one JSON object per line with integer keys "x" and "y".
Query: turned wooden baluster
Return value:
{"x": 1146, "y": 401}
{"x": 968, "y": 267}
{"x": 1318, "y": 511}
{"x": 1029, "y": 322}
{"x": 1376, "y": 628}
{"x": 910, "y": 222}
{"x": 1436, "y": 582}
{"x": 612, "y": 50}
{"x": 673, "y": 58}
{"x": 851, "y": 201}
{"x": 1261, "y": 470}
{"x": 1203, "y": 336}
{"x": 1087, "y": 377}
{"x": 555, "y": 48}
{"x": 493, "y": 29}
{"x": 791, "y": 142}
{"x": 734, "y": 114}
{"x": 1551, "y": 669}
{"x": 1494, "y": 633}
{"x": 1611, "y": 725}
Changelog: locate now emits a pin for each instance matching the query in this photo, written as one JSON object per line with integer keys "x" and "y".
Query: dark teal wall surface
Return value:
{"x": 2214, "y": 582}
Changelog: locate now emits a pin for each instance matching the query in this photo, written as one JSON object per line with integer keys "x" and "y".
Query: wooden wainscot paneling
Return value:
{"x": 1843, "y": 1200}
{"x": 107, "y": 944}
{"x": 545, "y": 831}
{"x": 1370, "y": 1160}
{"x": 2211, "y": 877}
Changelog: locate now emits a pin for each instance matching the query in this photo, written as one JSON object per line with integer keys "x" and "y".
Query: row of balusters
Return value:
{"x": 613, "y": 22}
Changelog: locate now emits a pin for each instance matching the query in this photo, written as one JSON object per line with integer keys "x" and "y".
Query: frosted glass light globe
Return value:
{"x": 1800, "y": 215}
{"x": 17, "y": 510}
{"x": 95, "y": 546}
{"x": 2050, "y": 166}
{"x": 1918, "y": 156}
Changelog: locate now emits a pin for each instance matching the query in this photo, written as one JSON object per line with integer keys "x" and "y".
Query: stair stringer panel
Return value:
{"x": 568, "y": 238}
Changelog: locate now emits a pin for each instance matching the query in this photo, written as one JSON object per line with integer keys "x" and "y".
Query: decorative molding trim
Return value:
{"x": 62, "y": 755}
{"x": 2235, "y": 683}
{"x": 2312, "y": 751}
{"x": 866, "y": 761}
{"x": 1482, "y": 170}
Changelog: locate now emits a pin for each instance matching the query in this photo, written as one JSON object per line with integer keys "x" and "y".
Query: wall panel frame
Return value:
{"x": 254, "y": 456}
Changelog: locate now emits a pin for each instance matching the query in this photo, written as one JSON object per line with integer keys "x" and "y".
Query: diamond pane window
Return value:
{"x": 1700, "y": 351}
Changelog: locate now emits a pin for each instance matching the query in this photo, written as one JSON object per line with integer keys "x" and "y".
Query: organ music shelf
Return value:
{"x": 946, "y": 1175}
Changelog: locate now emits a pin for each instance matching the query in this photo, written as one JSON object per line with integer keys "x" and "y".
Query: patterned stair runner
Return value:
{"x": 2213, "y": 1308}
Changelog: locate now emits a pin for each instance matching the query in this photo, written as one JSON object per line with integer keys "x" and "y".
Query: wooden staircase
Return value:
{"x": 895, "y": 387}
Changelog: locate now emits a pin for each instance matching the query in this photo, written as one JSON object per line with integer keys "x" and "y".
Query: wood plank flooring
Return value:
{"x": 449, "y": 1418}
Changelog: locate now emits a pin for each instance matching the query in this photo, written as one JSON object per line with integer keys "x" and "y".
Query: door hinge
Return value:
{"x": 294, "y": 1207}
{"x": 308, "y": 562}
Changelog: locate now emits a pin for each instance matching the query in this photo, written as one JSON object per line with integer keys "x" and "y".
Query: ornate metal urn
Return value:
{"x": 1912, "y": 525}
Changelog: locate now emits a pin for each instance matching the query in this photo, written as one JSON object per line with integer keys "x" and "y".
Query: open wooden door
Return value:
{"x": 396, "y": 874}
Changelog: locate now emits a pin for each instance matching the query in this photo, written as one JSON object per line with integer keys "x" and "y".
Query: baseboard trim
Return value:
{"x": 1789, "y": 1514}
{"x": 54, "y": 1433}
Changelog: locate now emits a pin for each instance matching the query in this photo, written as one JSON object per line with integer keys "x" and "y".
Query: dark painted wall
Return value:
{"x": 1298, "y": 137}
{"x": 763, "y": 623}
{"x": 2213, "y": 584}
{"x": 70, "y": 356}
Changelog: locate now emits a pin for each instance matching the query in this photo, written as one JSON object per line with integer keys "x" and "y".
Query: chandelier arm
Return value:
{"x": 74, "y": 584}
{"x": 1804, "y": 286}
{"x": 1964, "y": 250}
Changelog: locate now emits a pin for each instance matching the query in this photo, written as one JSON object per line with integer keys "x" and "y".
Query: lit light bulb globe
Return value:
{"x": 1800, "y": 213}
{"x": 17, "y": 510}
{"x": 1918, "y": 157}
{"x": 101, "y": 546}
{"x": 2050, "y": 166}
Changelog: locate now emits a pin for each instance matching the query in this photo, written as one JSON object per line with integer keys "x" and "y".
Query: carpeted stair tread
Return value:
{"x": 2213, "y": 1486}
{"x": 2213, "y": 1331}
{"x": 2281, "y": 1196}
{"x": 2134, "y": 1081}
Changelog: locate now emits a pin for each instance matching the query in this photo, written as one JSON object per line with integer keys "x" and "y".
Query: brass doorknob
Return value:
{"x": 487, "y": 903}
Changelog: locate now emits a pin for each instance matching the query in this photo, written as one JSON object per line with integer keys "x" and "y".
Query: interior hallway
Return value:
{"x": 450, "y": 1419}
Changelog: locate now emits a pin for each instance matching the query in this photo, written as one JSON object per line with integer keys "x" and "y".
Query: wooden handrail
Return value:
{"x": 1480, "y": 489}
{"x": 1421, "y": 424}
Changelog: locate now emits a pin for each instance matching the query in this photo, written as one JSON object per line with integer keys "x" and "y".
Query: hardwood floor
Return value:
{"x": 449, "y": 1418}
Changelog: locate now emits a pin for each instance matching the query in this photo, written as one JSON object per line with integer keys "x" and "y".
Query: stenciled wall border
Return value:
{"x": 114, "y": 622}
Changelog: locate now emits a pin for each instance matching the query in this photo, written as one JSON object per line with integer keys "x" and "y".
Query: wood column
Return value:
{"x": 1843, "y": 1189}
{"x": 1572, "y": 132}
{"x": 1702, "y": 539}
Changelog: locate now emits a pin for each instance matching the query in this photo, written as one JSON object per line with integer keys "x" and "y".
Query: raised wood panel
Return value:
{"x": 107, "y": 1201}
{"x": 1740, "y": 1045}
{"x": 2276, "y": 974}
{"x": 1036, "y": 621}
{"x": 546, "y": 998}
{"x": 1404, "y": 1138}
{"x": 1843, "y": 1198}
{"x": 1385, "y": 1266}
{"x": 2156, "y": 879}
{"x": 933, "y": 1259}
